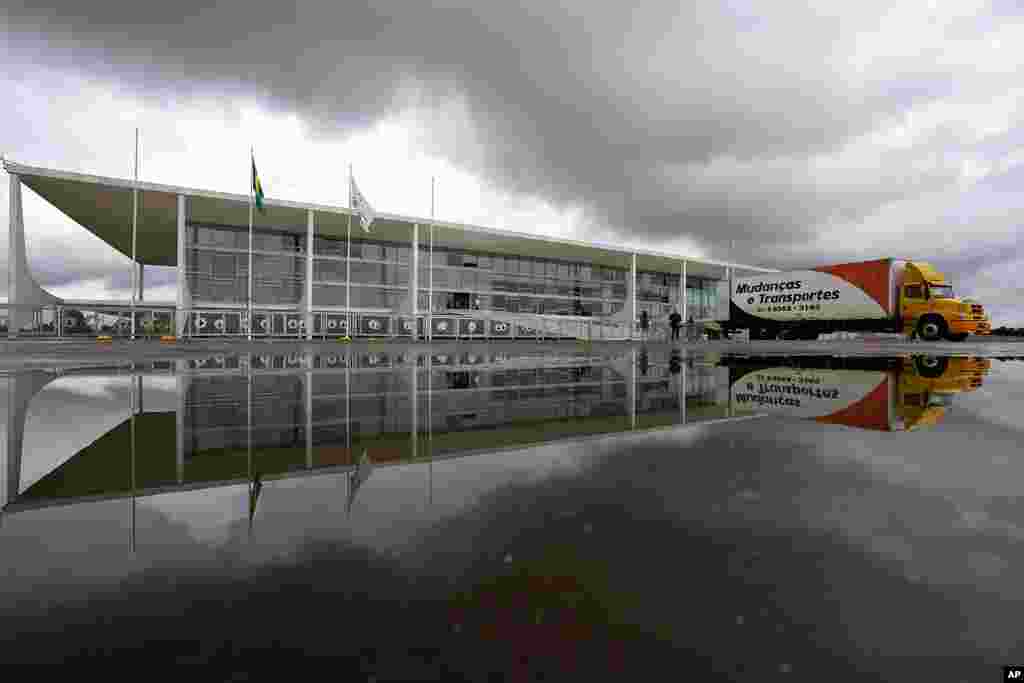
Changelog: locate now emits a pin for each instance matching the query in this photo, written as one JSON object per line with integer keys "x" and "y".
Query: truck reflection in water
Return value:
{"x": 888, "y": 394}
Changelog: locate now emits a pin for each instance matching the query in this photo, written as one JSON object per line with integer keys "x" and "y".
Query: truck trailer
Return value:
{"x": 885, "y": 295}
{"x": 886, "y": 394}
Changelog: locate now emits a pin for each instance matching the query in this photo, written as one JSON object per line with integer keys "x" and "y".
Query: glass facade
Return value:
{"x": 520, "y": 284}
{"x": 217, "y": 275}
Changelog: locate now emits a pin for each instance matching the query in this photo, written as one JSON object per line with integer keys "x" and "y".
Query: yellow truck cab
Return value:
{"x": 927, "y": 385}
{"x": 929, "y": 308}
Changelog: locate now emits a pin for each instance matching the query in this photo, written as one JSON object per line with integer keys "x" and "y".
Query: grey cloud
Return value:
{"x": 623, "y": 112}
{"x": 574, "y": 103}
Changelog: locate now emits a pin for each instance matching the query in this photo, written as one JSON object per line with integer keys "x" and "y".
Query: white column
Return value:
{"x": 22, "y": 289}
{"x": 183, "y": 299}
{"x": 414, "y": 275}
{"x": 631, "y": 296}
{"x": 310, "y": 241}
{"x": 430, "y": 287}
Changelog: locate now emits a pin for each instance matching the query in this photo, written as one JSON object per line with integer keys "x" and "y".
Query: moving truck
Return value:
{"x": 886, "y": 295}
{"x": 887, "y": 394}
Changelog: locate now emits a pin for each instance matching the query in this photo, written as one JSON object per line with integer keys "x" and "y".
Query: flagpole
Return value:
{"x": 348, "y": 261}
{"x": 430, "y": 271}
{"x": 252, "y": 181}
{"x": 135, "y": 219}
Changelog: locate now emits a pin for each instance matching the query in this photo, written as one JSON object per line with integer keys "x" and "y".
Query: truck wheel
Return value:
{"x": 957, "y": 337}
{"x": 930, "y": 366}
{"x": 931, "y": 328}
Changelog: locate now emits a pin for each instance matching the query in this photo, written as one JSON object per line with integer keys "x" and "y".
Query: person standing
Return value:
{"x": 645, "y": 322}
{"x": 675, "y": 321}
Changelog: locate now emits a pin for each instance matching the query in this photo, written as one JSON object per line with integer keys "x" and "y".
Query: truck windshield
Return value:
{"x": 940, "y": 291}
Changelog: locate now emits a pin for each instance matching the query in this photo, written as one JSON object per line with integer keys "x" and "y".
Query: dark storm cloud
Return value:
{"x": 577, "y": 103}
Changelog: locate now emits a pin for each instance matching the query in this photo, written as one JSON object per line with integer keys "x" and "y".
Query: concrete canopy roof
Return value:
{"x": 103, "y": 206}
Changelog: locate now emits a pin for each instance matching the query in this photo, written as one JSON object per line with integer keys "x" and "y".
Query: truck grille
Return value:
{"x": 977, "y": 312}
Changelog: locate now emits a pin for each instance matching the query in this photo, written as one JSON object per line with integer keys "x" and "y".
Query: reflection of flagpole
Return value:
{"x": 248, "y": 439}
{"x": 132, "y": 463}
{"x": 430, "y": 431}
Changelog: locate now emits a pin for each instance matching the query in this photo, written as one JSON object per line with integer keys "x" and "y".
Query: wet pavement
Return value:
{"x": 507, "y": 513}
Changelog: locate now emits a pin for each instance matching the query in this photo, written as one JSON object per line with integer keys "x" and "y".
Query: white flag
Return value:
{"x": 359, "y": 203}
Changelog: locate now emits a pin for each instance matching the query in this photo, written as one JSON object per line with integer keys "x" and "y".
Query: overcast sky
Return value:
{"x": 808, "y": 136}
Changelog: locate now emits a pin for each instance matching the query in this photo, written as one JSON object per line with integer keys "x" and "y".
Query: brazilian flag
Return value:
{"x": 257, "y": 186}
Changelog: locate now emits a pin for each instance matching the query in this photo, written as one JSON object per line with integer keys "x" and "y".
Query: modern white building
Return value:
{"x": 408, "y": 276}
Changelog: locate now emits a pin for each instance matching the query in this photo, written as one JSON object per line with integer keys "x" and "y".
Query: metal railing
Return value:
{"x": 70, "y": 320}
{"x": 445, "y": 326}
{"x": 115, "y": 320}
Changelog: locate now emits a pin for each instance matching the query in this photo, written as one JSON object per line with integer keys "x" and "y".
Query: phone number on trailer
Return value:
{"x": 781, "y": 309}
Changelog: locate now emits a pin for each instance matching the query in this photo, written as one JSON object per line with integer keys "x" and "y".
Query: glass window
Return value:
{"x": 483, "y": 262}
{"x": 913, "y": 292}
{"x": 940, "y": 291}
{"x": 328, "y": 270}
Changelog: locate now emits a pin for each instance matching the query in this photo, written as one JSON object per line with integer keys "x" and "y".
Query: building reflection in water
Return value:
{"x": 248, "y": 419}
{"x": 252, "y": 418}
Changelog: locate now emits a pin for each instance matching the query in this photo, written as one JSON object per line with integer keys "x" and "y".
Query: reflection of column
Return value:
{"x": 682, "y": 389}
{"x": 631, "y": 390}
{"x": 22, "y": 388}
{"x": 139, "y": 380}
{"x": 415, "y": 407}
{"x": 309, "y": 419}
{"x": 183, "y": 381}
